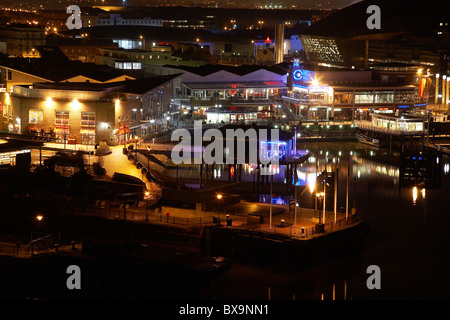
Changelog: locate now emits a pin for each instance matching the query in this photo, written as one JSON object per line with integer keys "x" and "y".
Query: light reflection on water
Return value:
{"x": 408, "y": 239}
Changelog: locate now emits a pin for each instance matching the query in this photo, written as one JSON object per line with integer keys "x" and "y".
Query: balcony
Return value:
{"x": 309, "y": 102}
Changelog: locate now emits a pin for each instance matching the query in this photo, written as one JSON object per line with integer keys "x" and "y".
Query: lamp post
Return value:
{"x": 270, "y": 197}
{"x": 319, "y": 195}
{"x": 346, "y": 196}
{"x": 146, "y": 205}
{"x": 324, "y": 192}
{"x": 219, "y": 197}
{"x": 142, "y": 38}
{"x": 311, "y": 187}
{"x": 436, "y": 92}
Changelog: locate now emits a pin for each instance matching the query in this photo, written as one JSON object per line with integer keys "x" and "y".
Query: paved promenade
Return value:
{"x": 250, "y": 215}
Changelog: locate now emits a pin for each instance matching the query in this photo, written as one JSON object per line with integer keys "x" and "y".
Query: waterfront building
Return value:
{"x": 225, "y": 94}
{"x": 87, "y": 113}
{"x": 395, "y": 124}
{"x": 339, "y": 94}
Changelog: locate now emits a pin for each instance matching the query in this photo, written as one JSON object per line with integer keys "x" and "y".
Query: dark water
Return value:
{"x": 408, "y": 239}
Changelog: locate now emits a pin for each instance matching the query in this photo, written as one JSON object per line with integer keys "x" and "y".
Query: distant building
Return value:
{"x": 118, "y": 20}
{"x": 82, "y": 49}
{"x": 54, "y": 66}
{"x": 224, "y": 49}
{"x": 22, "y": 40}
{"x": 157, "y": 55}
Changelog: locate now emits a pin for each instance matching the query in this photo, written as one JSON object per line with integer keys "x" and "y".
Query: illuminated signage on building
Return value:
{"x": 302, "y": 75}
{"x": 297, "y": 75}
{"x": 322, "y": 49}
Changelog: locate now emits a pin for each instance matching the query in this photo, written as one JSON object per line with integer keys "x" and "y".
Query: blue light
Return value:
{"x": 297, "y": 75}
{"x": 299, "y": 86}
{"x": 402, "y": 106}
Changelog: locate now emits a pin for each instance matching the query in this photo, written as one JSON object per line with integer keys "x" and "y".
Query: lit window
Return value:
{"x": 88, "y": 119}
{"x": 62, "y": 118}
{"x": 36, "y": 116}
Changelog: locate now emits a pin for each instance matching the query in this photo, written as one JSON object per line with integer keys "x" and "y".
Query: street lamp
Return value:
{"x": 146, "y": 204}
{"x": 321, "y": 195}
{"x": 219, "y": 197}
{"x": 311, "y": 187}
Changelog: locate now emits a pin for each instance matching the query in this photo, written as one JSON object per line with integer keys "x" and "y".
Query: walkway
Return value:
{"x": 255, "y": 216}
{"x": 114, "y": 162}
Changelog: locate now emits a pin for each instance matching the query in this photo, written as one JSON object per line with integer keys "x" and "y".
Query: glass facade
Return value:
{"x": 384, "y": 96}
{"x": 364, "y": 97}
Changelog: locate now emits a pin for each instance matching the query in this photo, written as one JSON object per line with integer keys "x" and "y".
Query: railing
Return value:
{"x": 306, "y": 101}
{"x": 150, "y": 216}
{"x": 367, "y": 125}
{"x": 328, "y": 227}
{"x": 43, "y": 244}
{"x": 298, "y": 232}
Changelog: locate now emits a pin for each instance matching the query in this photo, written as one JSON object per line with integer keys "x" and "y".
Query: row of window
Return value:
{"x": 85, "y": 50}
{"x": 62, "y": 118}
{"x": 378, "y": 97}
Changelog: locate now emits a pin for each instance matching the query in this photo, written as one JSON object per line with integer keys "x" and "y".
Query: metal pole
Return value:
{"x": 335, "y": 191}
{"x": 324, "y": 192}
{"x": 346, "y": 197}
{"x": 270, "y": 197}
{"x": 295, "y": 208}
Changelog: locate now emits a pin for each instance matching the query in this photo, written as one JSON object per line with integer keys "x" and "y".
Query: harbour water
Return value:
{"x": 408, "y": 238}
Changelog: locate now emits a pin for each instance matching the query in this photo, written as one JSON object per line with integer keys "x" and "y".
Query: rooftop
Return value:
{"x": 55, "y": 66}
{"x": 208, "y": 69}
{"x": 137, "y": 86}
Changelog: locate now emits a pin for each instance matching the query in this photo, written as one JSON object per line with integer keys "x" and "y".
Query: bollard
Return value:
{"x": 229, "y": 221}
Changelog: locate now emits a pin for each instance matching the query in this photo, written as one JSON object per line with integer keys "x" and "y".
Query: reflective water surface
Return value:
{"x": 408, "y": 239}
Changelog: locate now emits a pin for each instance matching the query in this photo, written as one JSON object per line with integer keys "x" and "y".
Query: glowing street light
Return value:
{"x": 146, "y": 204}
{"x": 219, "y": 197}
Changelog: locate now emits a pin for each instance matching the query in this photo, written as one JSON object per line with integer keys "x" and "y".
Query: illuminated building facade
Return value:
{"x": 348, "y": 95}
{"x": 22, "y": 39}
{"x": 87, "y": 112}
{"x": 229, "y": 94}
